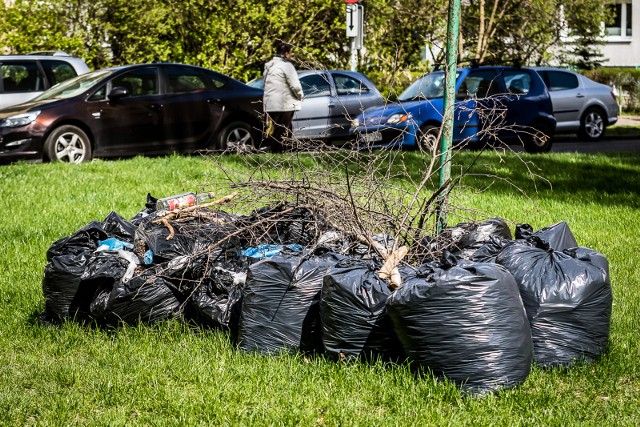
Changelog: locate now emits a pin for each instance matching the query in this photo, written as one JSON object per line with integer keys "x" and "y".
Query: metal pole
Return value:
{"x": 448, "y": 107}
{"x": 353, "y": 59}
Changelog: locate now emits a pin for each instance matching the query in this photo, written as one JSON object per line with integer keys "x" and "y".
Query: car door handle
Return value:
{"x": 331, "y": 105}
{"x": 579, "y": 95}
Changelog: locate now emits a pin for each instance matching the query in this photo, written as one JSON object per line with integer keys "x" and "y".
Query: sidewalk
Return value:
{"x": 628, "y": 121}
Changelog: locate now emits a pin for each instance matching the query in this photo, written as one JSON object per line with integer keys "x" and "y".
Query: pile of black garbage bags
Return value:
{"x": 479, "y": 315}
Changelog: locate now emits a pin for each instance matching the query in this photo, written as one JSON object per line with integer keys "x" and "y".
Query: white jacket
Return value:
{"x": 282, "y": 89}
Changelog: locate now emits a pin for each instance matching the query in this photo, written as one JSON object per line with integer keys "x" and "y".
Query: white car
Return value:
{"x": 23, "y": 77}
{"x": 580, "y": 105}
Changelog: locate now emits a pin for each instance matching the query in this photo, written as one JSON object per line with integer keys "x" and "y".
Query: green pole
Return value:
{"x": 447, "y": 119}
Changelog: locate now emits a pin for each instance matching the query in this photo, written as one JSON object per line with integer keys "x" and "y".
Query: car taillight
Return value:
{"x": 613, "y": 95}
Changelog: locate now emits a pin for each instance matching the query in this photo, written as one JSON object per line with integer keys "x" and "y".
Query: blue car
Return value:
{"x": 494, "y": 105}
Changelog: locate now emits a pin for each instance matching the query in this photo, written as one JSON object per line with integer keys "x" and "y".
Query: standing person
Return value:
{"x": 282, "y": 96}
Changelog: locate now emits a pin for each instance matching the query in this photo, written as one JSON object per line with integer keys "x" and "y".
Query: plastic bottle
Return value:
{"x": 181, "y": 201}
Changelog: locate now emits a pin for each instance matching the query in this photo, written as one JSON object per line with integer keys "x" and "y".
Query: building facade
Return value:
{"x": 622, "y": 36}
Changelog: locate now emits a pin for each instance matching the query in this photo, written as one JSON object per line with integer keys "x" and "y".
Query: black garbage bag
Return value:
{"x": 284, "y": 224}
{"x": 466, "y": 321}
{"x": 143, "y": 298}
{"x": 189, "y": 238}
{"x": 468, "y": 237}
{"x": 280, "y": 306}
{"x": 568, "y": 300}
{"x": 558, "y": 236}
{"x": 489, "y": 250}
{"x": 60, "y": 285}
{"x": 353, "y": 314}
{"x": 79, "y": 242}
{"x": 216, "y": 296}
{"x": 116, "y": 226}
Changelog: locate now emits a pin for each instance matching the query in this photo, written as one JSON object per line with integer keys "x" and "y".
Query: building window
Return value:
{"x": 621, "y": 25}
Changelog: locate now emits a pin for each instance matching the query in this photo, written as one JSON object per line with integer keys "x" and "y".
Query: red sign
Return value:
{"x": 351, "y": 1}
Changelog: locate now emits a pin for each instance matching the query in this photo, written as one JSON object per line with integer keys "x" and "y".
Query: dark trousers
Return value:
{"x": 275, "y": 135}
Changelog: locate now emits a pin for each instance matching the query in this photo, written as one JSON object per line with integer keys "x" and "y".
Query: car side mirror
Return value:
{"x": 118, "y": 92}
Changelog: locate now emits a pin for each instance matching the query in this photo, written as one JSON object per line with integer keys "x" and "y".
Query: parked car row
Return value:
{"x": 163, "y": 107}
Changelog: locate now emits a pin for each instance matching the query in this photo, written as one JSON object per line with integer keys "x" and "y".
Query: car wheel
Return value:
{"x": 237, "y": 137}
{"x": 427, "y": 138}
{"x": 538, "y": 140}
{"x": 68, "y": 144}
{"x": 592, "y": 125}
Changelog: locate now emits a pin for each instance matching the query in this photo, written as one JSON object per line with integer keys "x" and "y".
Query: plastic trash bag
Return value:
{"x": 568, "y": 300}
{"x": 466, "y": 321}
{"x": 145, "y": 298}
{"x": 79, "y": 242}
{"x": 353, "y": 312}
{"x": 558, "y": 236}
{"x": 60, "y": 286}
{"x": 215, "y": 299}
{"x": 280, "y": 306}
{"x": 468, "y": 237}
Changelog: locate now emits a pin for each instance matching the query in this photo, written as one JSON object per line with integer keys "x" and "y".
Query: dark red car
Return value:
{"x": 134, "y": 109}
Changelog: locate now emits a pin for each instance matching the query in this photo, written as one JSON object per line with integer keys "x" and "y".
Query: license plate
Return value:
{"x": 372, "y": 136}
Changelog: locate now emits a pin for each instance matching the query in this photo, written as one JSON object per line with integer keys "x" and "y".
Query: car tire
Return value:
{"x": 427, "y": 139}
{"x": 592, "y": 125}
{"x": 538, "y": 140}
{"x": 237, "y": 137}
{"x": 68, "y": 143}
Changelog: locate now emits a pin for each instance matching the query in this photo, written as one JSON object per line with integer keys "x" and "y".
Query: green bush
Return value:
{"x": 626, "y": 82}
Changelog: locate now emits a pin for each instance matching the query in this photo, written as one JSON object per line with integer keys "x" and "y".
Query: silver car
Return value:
{"x": 23, "y": 77}
{"x": 580, "y": 105}
{"x": 332, "y": 98}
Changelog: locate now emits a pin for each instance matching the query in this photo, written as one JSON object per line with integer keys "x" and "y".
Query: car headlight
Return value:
{"x": 355, "y": 123}
{"x": 398, "y": 118}
{"x": 19, "y": 120}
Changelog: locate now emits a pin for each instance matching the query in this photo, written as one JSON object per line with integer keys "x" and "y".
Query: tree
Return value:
{"x": 523, "y": 32}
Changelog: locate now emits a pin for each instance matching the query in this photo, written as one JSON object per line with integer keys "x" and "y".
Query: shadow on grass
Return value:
{"x": 608, "y": 178}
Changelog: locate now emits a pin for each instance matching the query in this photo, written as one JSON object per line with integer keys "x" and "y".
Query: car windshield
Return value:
{"x": 257, "y": 83}
{"x": 426, "y": 87}
{"x": 75, "y": 86}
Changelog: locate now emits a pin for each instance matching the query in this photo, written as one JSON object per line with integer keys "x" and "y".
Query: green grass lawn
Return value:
{"x": 173, "y": 374}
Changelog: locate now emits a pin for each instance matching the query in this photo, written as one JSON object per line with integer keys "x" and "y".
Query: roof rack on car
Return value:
{"x": 49, "y": 53}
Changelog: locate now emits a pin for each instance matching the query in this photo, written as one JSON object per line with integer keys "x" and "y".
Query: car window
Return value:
{"x": 184, "y": 80}
{"x": 58, "y": 71}
{"x": 315, "y": 85}
{"x": 21, "y": 76}
{"x": 559, "y": 80}
{"x": 74, "y": 86}
{"x": 428, "y": 86}
{"x": 347, "y": 85}
{"x": 479, "y": 84}
{"x": 216, "y": 80}
{"x": 140, "y": 82}
{"x": 100, "y": 94}
{"x": 517, "y": 81}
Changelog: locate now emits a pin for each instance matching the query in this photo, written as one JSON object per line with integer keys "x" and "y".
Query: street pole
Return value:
{"x": 447, "y": 119}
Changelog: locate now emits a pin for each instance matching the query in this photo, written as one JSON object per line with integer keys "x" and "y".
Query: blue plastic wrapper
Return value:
{"x": 113, "y": 244}
{"x": 267, "y": 251}
{"x": 465, "y": 322}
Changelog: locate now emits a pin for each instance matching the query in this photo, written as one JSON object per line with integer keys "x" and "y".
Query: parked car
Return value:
{"x": 332, "y": 98}
{"x": 135, "y": 109}
{"x": 23, "y": 77}
{"x": 493, "y": 104}
{"x": 579, "y": 104}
